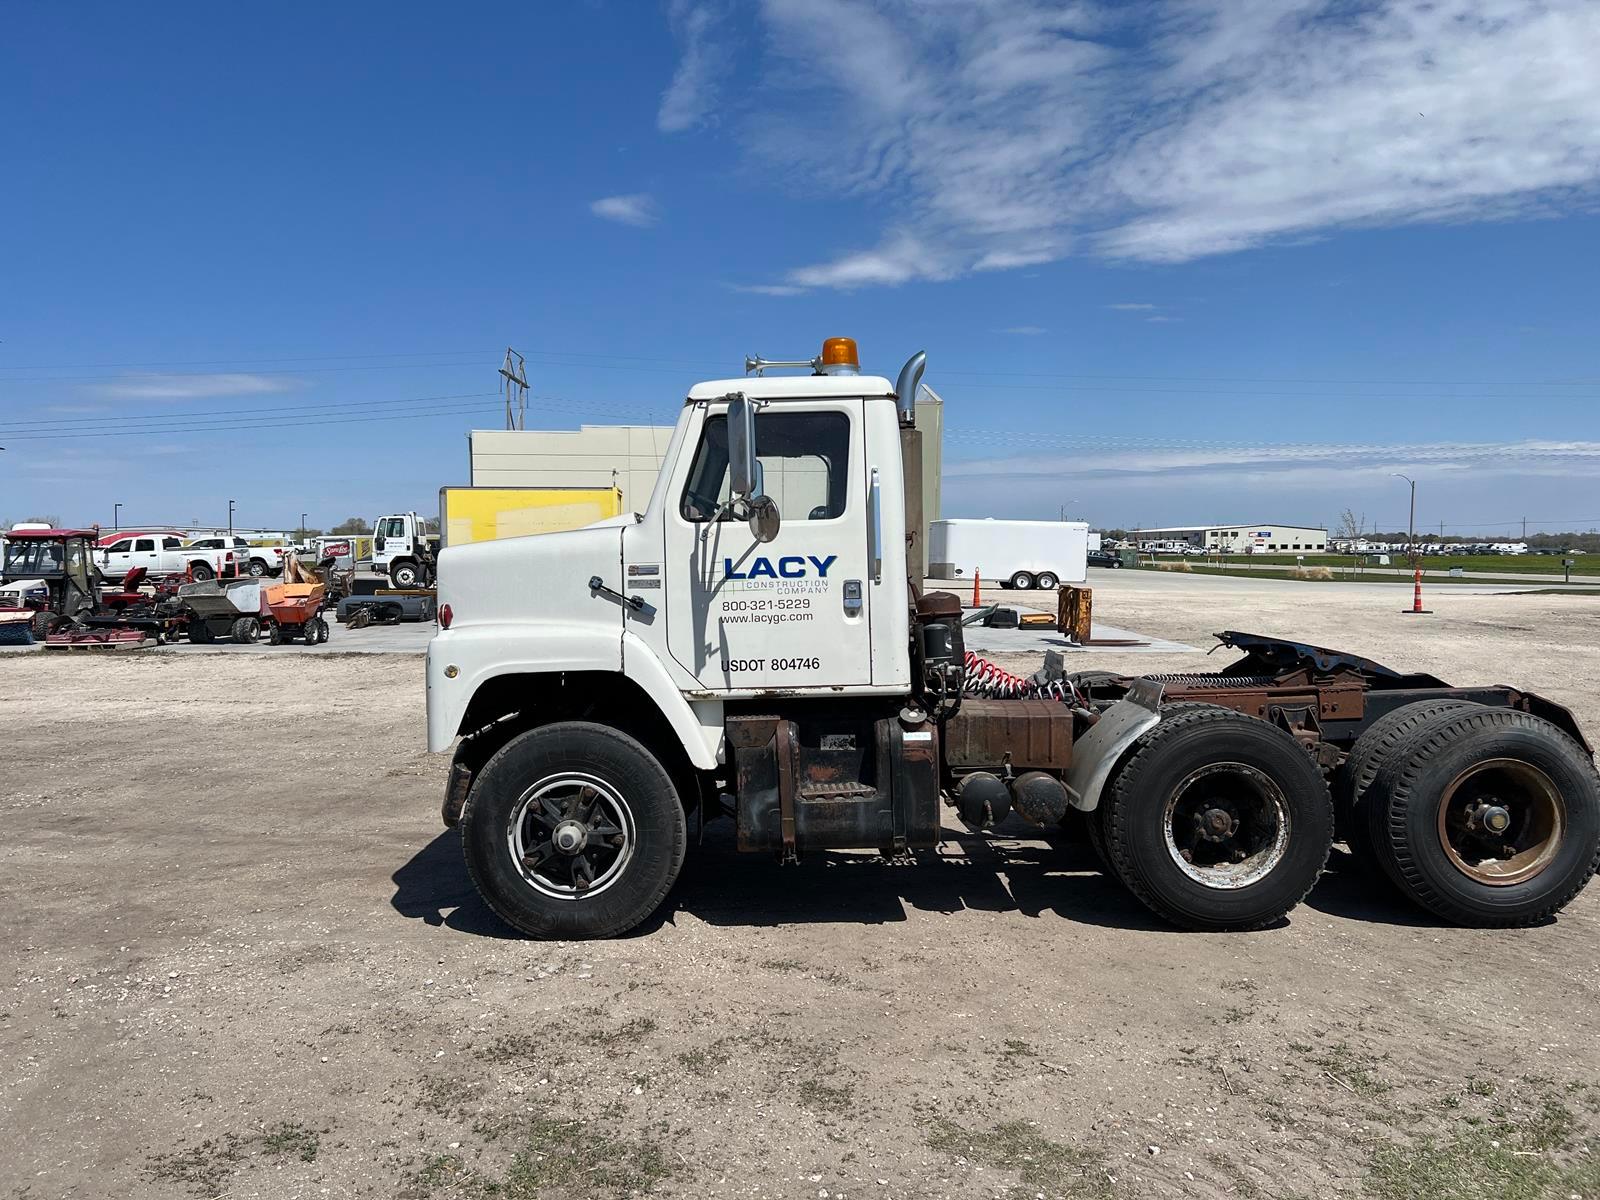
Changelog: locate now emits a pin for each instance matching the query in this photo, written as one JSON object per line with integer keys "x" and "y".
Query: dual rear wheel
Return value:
{"x": 1484, "y": 816}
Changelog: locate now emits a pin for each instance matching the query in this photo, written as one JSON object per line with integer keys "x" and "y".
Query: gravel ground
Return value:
{"x": 241, "y": 958}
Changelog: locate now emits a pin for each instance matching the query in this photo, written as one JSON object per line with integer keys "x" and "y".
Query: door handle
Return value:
{"x": 875, "y": 527}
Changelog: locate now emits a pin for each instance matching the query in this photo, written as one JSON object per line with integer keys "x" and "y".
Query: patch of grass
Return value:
{"x": 703, "y": 1059}
{"x": 567, "y": 1154}
{"x": 784, "y": 964}
{"x": 1471, "y": 1169}
{"x": 1480, "y": 1087}
{"x": 817, "y": 1095}
{"x": 440, "y": 1172}
{"x": 206, "y": 1167}
{"x": 446, "y": 1095}
{"x": 633, "y": 1030}
{"x": 515, "y": 1047}
{"x": 1352, "y": 1069}
{"x": 1013, "y": 1049}
{"x": 1019, "y": 1146}
{"x": 291, "y": 1137}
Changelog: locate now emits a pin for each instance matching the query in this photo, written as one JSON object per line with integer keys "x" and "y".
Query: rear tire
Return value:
{"x": 200, "y": 633}
{"x": 1441, "y": 792}
{"x": 245, "y": 630}
{"x": 1217, "y": 820}
{"x": 528, "y": 796}
{"x": 1047, "y": 581}
{"x": 200, "y": 572}
{"x": 1021, "y": 582}
{"x": 258, "y": 569}
{"x": 1355, "y": 777}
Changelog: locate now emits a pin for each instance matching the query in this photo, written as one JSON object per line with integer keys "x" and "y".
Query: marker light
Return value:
{"x": 839, "y": 356}
{"x": 446, "y": 615}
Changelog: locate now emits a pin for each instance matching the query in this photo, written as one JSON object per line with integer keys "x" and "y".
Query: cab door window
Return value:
{"x": 805, "y": 466}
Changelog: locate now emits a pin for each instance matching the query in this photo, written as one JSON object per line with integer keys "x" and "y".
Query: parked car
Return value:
{"x": 163, "y": 554}
{"x": 1104, "y": 558}
{"x": 254, "y": 560}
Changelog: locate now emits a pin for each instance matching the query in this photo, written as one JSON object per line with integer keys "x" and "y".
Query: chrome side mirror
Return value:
{"x": 742, "y": 468}
{"x": 764, "y": 518}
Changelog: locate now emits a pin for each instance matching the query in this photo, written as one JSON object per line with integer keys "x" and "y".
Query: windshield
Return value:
{"x": 32, "y": 558}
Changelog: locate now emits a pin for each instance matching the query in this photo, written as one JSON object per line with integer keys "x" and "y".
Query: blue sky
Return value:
{"x": 1209, "y": 261}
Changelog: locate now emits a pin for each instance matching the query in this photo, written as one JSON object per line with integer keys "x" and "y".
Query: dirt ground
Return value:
{"x": 240, "y": 957}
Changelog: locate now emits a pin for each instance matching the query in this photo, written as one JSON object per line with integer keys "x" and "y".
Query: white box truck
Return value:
{"x": 1015, "y": 554}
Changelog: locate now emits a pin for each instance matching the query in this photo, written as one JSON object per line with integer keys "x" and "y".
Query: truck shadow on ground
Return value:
{"x": 995, "y": 874}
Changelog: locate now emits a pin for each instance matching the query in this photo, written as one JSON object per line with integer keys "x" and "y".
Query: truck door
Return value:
{"x": 793, "y": 612}
{"x": 115, "y": 558}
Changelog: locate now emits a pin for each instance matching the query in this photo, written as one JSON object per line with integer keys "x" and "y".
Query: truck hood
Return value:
{"x": 540, "y": 579}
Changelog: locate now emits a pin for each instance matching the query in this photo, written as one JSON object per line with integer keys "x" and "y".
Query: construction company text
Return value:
{"x": 790, "y": 566}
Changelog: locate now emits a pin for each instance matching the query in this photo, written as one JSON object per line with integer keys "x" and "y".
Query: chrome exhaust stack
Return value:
{"x": 905, "y": 388}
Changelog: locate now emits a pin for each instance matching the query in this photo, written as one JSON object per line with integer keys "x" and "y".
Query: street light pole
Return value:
{"x": 230, "y": 520}
{"x": 116, "y": 516}
{"x": 1411, "y": 547}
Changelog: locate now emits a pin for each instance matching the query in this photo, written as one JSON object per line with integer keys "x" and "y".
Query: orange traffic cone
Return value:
{"x": 977, "y": 578}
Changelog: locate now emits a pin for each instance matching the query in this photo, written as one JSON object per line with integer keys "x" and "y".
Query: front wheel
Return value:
{"x": 1217, "y": 820}
{"x": 245, "y": 630}
{"x": 574, "y": 830}
{"x": 404, "y": 575}
{"x": 1022, "y": 582}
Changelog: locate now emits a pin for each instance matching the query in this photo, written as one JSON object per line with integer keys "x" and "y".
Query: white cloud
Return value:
{"x": 1015, "y": 132}
{"x": 768, "y": 289}
{"x": 689, "y": 98}
{"x": 1024, "y": 330}
{"x": 1131, "y": 307}
{"x": 637, "y": 209}
{"x": 194, "y": 387}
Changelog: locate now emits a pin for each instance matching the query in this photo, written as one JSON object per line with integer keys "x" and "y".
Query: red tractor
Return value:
{"x": 51, "y": 573}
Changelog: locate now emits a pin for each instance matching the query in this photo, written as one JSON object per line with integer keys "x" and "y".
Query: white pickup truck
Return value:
{"x": 164, "y": 554}
{"x": 256, "y": 561}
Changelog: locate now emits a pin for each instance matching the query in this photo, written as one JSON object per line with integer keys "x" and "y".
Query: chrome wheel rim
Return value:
{"x": 571, "y": 836}
{"x": 1227, "y": 825}
{"x": 1501, "y": 821}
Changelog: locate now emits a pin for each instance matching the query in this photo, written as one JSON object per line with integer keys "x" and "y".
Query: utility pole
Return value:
{"x": 515, "y": 374}
{"x": 116, "y": 516}
{"x": 230, "y": 520}
{"x": 1416, "y": 559}
{"x": 302, "y": 536}
{"x": 1524, "y": 528}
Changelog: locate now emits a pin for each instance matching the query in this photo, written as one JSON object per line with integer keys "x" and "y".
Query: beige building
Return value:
{"x": 629, "y": 457}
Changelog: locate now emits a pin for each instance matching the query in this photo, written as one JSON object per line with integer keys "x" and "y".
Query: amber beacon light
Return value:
{"x": 840, "y": 352}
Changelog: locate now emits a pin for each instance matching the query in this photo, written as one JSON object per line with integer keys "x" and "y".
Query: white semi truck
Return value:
{"x": 716, "y": 657}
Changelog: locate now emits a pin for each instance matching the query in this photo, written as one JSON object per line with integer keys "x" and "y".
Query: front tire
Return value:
{"x": 1218, "y": 821}
{"x": 404, "y": 575}
{"x": 574, "y": 830}
{"x": 245, "y": 630}
{"x": 1021, "y": 582}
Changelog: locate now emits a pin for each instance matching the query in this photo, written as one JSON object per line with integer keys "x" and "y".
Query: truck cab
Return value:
{"x": 750, "y": 646}
{"x": 403, "y": 550}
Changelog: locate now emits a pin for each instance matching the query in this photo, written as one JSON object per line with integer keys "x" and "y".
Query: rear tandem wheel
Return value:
{"x": 1217, "y": 820}
{"x": 1486, "y": 816}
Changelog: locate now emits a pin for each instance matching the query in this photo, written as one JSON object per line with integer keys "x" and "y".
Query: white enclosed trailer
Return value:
{"x": 1019, "y": 554}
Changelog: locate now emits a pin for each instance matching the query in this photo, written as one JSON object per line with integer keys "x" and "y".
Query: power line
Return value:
{"x": 71, "y": 422}
{"x": 254, "y": 424}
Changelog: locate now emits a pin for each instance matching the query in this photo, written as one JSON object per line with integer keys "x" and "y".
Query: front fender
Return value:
{"x": 480, "y": 653}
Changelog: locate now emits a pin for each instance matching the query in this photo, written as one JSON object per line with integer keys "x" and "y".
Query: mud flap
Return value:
{"x": 1096, "y": 753}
